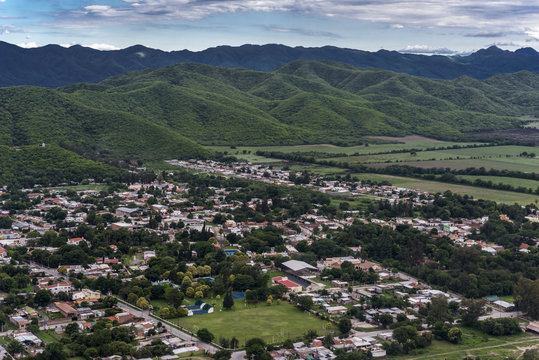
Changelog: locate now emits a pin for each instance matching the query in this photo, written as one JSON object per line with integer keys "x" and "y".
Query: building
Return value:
{"x": 299, "y": 268}
{"x": 86, "y": 295}
{"x": 56, "y": 288}
{"x": 65, "y": 309}
{"x": 291, "y": 286}
{"x": 129, "y": 212}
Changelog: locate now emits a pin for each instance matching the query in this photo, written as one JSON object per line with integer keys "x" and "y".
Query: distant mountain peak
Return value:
{"x": 54, "y": 66}
{"x": 526, "y": 51}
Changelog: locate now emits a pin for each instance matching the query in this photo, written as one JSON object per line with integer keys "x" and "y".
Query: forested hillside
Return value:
{"x": 169, "y": 112}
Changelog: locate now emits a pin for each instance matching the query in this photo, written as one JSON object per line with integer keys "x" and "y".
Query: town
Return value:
{"x": 192, "y": 262}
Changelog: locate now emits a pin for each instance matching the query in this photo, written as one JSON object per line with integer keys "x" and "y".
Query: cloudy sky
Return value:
{"x": 424, "y": 26}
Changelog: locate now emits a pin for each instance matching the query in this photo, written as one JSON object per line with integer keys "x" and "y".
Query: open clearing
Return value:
{"x": 274, "y": 323}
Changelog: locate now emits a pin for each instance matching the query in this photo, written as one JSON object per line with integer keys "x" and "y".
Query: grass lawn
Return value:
{"x": 48, "y": 336}
{"x": 274, "y": 323}
{"x": 508, "y": 197}
{"x": 509, "y": 299}
{"x": 474, "y": 343}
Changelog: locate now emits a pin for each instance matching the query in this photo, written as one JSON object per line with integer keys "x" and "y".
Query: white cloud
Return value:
{"x": 533, "y": 32}
{"x": 102, "y": 47}
{"x": 28, "y": 45}
{"x": 486, "y": 16}
{"x": 425, "y": 49}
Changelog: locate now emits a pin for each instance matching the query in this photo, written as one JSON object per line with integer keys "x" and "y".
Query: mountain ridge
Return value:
{"x": 54, "y": 66}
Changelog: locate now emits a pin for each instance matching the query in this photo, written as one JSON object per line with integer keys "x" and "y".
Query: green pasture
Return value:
{"x": 274, "y": 323}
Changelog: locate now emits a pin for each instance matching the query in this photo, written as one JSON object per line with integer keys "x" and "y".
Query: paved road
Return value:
{"x": 496, "y": 314}
{"x": 47, "y": 270}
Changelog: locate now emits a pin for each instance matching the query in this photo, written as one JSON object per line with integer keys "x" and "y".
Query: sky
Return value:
{"x": 424, "y": 26}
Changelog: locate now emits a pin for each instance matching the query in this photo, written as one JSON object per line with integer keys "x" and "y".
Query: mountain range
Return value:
{"x": 54, "y": 65}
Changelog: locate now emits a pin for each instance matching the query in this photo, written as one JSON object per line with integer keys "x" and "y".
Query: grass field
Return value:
{"x": 508, "y": 197}
{"x": 497, "y": 157}
{"x": 274, "y": 323}
{"x": 401, "y": 143}
{"x": 80, "y": 187}
{"x": 477, "y": 344}
{"x": 48, "y": 336}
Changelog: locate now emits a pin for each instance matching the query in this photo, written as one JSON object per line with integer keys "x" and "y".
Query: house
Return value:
{"x": 533, "y": 327}
{"x": 292, "y": 286}
{"x": 76, "y": 241}
{"x": 341, "y": 310}
{"x": 84, "y": 313}
{"x": 86, "y": 295}
{"x": 121, "y": 225}
{"x": 129, "y": 212}
{"x": 124, "y": 317}
{"x": 56, "y": 288}
{"x": 19, "y": 321}
{"x": 65, "y": 309}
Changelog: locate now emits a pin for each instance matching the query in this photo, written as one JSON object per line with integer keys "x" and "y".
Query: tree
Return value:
{"x": 471, "y": 310}
{"x": 385, "y": 320}
{"x": 438, "y": 310}
{"x": 143, "y": 303}
{"x": 255, "y": 349}
{"x": 345, "y": 325}
{"x": 43, "y": 297}
{"x": 5, "y": 222}
{"x": 405, "y": 333}
{"x": 527, "y": 297}
{"x": 531, "y": 354}
{"x": 222, "y": 355}
{"x": 132, "y": 298}
{"x": 71, "y": 328}
{"x": 205, "y": 335}
{"x": 173, "y": 296}
{"x": 305, "y": 303}
{"x": 14, "y": 347}
{"x": 228, "y": 301}
{"x": 454, "y": 335}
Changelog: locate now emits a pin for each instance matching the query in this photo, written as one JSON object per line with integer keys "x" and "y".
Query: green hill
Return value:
{"x": 306, "y": 102}
{"x": 49, "y": 165}
{"x": 169, "y": 112}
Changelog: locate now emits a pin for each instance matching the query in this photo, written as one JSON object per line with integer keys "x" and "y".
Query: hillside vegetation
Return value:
{"x": 169, "y": 112}
{"x": 310, "y": 102}
{"x": 50, "y": 165}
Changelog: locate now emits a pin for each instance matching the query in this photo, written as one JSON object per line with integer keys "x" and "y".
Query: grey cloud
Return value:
{"x": 304, "y": 32}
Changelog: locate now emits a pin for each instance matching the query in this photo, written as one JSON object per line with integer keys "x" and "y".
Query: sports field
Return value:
{"x": 274, "y": 323}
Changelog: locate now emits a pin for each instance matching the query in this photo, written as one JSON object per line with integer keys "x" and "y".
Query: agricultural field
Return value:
{"x": 391, "y": 143}
{"x": 274, "y": 323}
{"x": 477, "y": 344}
{"x": 498, "y": 157}
{"x": 508, "y": 197}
